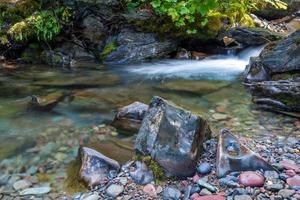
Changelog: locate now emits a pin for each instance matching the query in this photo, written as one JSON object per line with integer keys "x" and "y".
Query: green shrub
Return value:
{"x": 194, "y": 15}
{"x": 42, "y": 25}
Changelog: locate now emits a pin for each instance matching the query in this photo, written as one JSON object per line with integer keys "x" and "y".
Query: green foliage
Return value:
{"x": 194, "y": 15}
{"x": 110, "y": 47}
{"x": 41, "y": 25}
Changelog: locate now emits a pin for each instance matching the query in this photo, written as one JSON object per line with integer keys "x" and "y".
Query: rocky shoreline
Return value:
{"x": 282, "y": 152}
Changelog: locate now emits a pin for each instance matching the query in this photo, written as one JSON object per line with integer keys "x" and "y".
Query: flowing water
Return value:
{"x": 47, "y": 140}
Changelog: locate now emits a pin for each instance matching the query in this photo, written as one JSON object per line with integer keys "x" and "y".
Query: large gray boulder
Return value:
{"x": 273, "y": 77}
{"x": 252, "y": 36}
{"x": 172, "y": 136}
{"x": 134, "y": 47}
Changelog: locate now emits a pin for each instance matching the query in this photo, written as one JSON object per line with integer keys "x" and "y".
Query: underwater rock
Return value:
{"x": 193, "y": 87}
{"x": 95, "y": 166}
{"x": 233, "y": 156}
{"x": 129, "y": 118}
{"x": 85, "y": 81}
{"x": 35, "y": 191}
{"x": 281, "y": 96}
{"x": 173, "y": 137}
{"x": 47, "y": 102}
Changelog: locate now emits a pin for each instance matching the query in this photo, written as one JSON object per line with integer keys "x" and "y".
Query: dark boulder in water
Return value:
{"x": 233, "y": 156}
{"x": 173, "y": 137}
{"x": 129, "y": 118}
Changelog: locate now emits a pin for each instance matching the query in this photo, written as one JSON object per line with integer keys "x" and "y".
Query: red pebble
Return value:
{"x": 290, "y": 173}
{"x": 194, "y": 196}
{"x": 294, "y": 181}
{"x": 289, "y": 165}
{"x": 196, "y": 178}
{"x": 251, "y": 179}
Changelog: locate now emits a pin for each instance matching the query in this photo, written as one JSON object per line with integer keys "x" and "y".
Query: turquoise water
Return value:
{"x": 93, "y": 93}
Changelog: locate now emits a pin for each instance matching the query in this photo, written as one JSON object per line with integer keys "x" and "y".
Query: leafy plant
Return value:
{"x": 110, "y": 47}
{"x": 194, "y": 15}
{"x": 42, "y": 25}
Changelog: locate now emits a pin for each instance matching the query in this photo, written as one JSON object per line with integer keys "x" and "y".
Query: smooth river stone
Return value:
{"x": 251, "y": 179}
{"x": 114, "y": 190}
{"x": 35, "y": 191}
{"x": 211, "y": 197}
{"x": 294, "y": 181}
{"x": 290, "y": 165}
{"x": 150, "y": 190}
{"x": 21, "y": 184}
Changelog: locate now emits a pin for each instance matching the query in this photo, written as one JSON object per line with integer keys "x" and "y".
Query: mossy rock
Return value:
{"x": 73, "y": 183}
{"x": 157, "y": 170}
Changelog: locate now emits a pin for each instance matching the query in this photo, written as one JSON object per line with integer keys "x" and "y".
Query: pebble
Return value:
{"x": 194, "y": 196}
{"x": 290, "y": 165}
{"x": 207, "y": 185}
{"x": 219, "y": 116}
{"x": 242, "y": 197}
{"x": 35, "y": 191}
{"x": 21, "y": 185}
{"x": 294, "y": 181}
{"x": 205, "y": 192}
{"x": 150, "y": 190}
{"x": 251, "y": 179}
{"x": 211, "y": 197}
{"x": 123, "y": 180}
{"x": 274, "y": 187}
{"x": 271, "y": 176}
{"x": 285, "y": 193}
{"x": 32, "y": 170}
{"x": 171, "y": 193}
{"x": 114, "y": 190}
{"x": 204, "y": 168}
{"x": 290, "y": 173}
{"x": 187, "y": 193}
{"x": 92, "y": 197}
{"x": 239, "y": 191}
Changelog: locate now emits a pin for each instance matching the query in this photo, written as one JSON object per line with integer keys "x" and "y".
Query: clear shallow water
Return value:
{"x": 38, "y": 138}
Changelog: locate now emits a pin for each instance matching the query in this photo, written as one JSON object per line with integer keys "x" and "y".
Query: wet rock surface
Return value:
{"x": 273, "y": 77}
{"x": 233, "y": 156}
{"x": 172, "y": 136}
{"x": 129, "y": 118}
{"x": 252, "y": 36}
{"x": 133, "y": 47}
{"x": 95, "y": 166}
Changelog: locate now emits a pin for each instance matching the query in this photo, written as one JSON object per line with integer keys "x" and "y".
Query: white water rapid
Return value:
{"x": 219, "y": 67}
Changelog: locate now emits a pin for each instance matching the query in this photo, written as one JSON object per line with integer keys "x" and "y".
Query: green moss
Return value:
{"x": 110, "y": 47}
{"x": 157, "y": 170}
{"x": 73, "y": 183}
